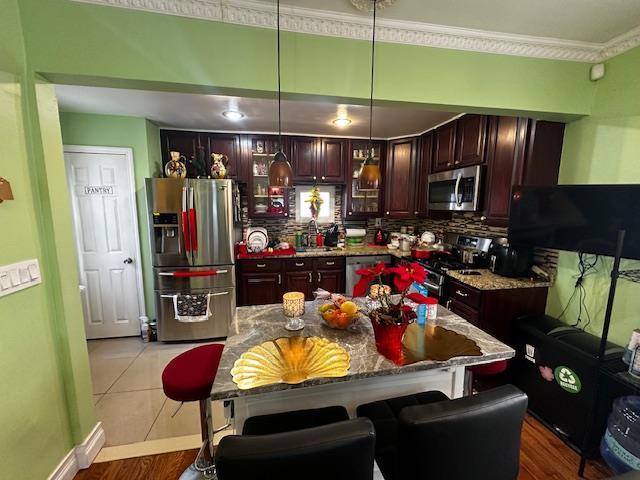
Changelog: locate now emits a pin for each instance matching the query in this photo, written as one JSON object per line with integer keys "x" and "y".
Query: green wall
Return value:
{"x": 46, "y": 405}
{"x": 107, "y": 44}
{"x": 143, "y": 137}
{"x": 604, "y": 148}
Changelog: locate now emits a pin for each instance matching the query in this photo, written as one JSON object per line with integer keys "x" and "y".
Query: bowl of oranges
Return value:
{"x": 339, "y": 313}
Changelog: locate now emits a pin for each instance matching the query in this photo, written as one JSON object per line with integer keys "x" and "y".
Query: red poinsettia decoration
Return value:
{"x": 367, "y": 275}
{"x": 386, "y": 310}
{"x": 406, "y": 274}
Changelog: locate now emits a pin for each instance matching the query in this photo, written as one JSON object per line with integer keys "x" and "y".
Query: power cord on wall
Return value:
{"x": 586, "y": 266}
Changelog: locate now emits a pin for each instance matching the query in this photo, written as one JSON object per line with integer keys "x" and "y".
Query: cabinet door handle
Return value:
{"x": 483, "y": 218}
{"x": 301, "y": 264}
{"x": 261, "y": 265}
{"x": 330, "y": 263}
{"x": 279, "y": 279}
{"x": 315, "y": 178}
{"x": 310, "y": 278}
{"x": 416, "y": 212}
{"x": 462, "y": 294}
{"x": 319, "y": 277}
{"x": 286, "y": 214}
{"x": 448, "y": 304}
{"x": 350, "y": 213}
{"x": 387, "y": 213}
{"x": 322, "y": 178}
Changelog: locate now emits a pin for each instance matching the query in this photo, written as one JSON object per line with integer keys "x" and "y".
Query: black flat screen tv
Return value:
{"x": 579, "y": 218}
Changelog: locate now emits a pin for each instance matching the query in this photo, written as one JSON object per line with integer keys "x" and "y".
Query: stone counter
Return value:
{"x": 488, "y": 280}
{"x": 339, "y": 252}
{"x": 256, "y": 324}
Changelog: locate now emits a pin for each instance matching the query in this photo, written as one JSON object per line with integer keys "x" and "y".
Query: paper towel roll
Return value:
{"x": 356, "y": 232}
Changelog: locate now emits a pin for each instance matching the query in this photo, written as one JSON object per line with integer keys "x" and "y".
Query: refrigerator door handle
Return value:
{"x": 186, "y": 233}
{"x": 193, "y": 222}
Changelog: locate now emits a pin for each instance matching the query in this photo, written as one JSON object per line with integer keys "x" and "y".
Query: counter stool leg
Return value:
{"x": 203, "y": 467}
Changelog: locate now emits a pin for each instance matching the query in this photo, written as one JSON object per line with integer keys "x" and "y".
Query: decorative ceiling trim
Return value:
{"x": 320, "y": 22}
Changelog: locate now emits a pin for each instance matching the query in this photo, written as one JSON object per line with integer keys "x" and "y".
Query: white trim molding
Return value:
{"x": 81, "y": 456}
{"x": 323, "y": 22}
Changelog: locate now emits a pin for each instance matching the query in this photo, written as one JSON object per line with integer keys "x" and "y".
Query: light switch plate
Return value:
{"x": 18, "y": 276}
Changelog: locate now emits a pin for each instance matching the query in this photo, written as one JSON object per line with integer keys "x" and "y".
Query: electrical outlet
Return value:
{"x": 378, "y": 222}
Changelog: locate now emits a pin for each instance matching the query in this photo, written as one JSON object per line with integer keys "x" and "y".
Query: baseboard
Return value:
{"x": 87, "y": 451}
{"x": 67, "y": 468}
{"x": 81, "y": 456}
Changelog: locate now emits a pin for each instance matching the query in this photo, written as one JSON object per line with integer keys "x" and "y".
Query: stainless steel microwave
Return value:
{"x": 457, "y": 190}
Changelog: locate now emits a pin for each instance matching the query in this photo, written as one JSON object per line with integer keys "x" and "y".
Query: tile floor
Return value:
{"x": 128, "y": 394}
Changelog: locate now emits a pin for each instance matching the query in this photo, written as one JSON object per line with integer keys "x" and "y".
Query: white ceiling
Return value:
{"x": 596, "y": 21}
{"x": 204, "y": 112}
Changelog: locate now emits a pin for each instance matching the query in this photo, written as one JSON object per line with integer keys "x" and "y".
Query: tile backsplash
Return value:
{"x": 468, "y": 223}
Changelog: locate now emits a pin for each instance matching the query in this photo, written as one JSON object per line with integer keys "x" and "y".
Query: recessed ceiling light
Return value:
{"x": 233, "y": 115}
{"x": 342, "y": 122}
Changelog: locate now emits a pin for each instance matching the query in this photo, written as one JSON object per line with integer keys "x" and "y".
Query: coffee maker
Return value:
{"x": 510, "y": 260}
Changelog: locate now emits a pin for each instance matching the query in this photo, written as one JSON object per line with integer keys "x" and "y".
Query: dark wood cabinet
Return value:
{"x": 264, "y": 281}
{"x": 264, "y": 201}
{"x": 363, "y": 203}
{"x": 521, "y": 151}
{"x": 332, "y": 159}
{"x": 318, "y": 160}
{"x": 471, "y": 135}
{"x": 422, "y": 176}
{"x": 400, "y": 178}
{"x": 187, "y": 143}
{"x": 494, "y": 311}
{"x": 259, "y": 288}
{"x": 444, "y": 147}
{"x": 229, "y": 145}
{"x": 304, "y": 157}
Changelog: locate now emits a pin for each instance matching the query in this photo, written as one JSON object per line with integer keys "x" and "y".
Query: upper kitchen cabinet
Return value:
{"x": 304, "y": 157}
{"x": 228, "y": 144}
{"x": 520, "y": 151}
{"x": 444, "y": 148}
{"x": 264, "y": 201}
{"x": 363, "y": 203}
{"x": 318, "y": 160}
{"x": 332, "y": 160}
{"x": 471, "y": 135}
{"x": 187, "y": 143}
{"x": 424, "y": 167}
{"x": 400, "y": 178}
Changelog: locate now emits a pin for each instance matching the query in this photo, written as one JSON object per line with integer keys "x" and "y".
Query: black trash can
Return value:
{"x": 556, "y": 365}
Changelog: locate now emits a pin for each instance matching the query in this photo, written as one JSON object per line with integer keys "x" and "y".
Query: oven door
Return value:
{"x": 455, "y": 190}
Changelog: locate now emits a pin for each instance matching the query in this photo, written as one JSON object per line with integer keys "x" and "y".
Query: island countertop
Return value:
{"x": 257, "y": 324}
{"x": 487, "y": 280}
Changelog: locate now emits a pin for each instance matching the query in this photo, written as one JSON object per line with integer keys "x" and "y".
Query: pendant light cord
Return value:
{"x": 279, "y": 94}
{"x": 373, "y": 51}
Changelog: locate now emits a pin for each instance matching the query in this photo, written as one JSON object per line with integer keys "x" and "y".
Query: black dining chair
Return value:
{"x": 319, "y": 444}
{"x": 428, "y": 436}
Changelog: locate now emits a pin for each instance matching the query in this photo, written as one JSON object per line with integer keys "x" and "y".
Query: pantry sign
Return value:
{"x": 98, "y": 190}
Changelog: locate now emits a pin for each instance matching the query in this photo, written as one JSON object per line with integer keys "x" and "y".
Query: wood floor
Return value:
{"x": 543, "y": 457}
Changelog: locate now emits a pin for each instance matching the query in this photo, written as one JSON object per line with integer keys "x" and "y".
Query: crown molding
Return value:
{"x": 320, "y": 22}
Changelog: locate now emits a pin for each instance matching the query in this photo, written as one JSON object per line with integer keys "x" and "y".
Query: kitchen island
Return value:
{"x": 371, "y": 376}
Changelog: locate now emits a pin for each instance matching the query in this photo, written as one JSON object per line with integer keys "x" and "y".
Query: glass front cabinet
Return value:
{"x": 264, "y": 201}
{"x": 363, "y": 203}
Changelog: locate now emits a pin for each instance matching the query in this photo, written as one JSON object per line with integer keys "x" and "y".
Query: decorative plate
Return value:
{"x": 290, "y": 360}
{"x": 436, "y": 343}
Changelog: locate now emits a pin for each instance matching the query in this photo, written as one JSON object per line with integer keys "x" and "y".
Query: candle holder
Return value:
{"x": 293, "y": 309}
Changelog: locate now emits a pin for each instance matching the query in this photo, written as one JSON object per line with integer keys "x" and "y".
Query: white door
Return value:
{"x": 104, "y": 211}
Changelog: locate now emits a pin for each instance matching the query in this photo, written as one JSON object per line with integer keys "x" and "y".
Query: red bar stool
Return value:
{"x": 485, "y": 370}
{"x": 188, "y": 378}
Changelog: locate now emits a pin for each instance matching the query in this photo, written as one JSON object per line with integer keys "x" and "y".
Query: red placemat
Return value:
{"x": 276, "y": 253}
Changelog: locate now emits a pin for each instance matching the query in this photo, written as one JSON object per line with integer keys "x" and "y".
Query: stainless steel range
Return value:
{"x": 467, "y": 252}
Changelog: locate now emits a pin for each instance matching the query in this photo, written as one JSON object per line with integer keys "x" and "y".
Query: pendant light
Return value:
{"x": 369, "y": 177}
{"x": 280, "y": 173}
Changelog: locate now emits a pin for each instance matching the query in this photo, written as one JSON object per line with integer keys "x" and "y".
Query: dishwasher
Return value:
{"x": 357, "y": 263}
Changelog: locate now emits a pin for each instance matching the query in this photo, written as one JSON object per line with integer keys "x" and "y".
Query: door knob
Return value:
{"x": 128, "y": 260}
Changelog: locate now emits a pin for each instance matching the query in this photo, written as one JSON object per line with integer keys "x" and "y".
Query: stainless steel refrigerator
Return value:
{"x": 193, "y": 226}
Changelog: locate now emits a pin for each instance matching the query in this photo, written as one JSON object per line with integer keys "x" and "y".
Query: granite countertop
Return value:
{"x": 488, "y": 280}
{"x": 254, "y": 325}
{"x": 339, "y": 252}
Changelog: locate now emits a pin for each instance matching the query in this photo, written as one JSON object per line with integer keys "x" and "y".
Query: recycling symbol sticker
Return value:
{"x": 567, "y": 379}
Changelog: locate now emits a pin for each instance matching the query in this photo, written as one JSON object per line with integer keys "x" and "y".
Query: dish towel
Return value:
{"x": 192, "y": 308}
